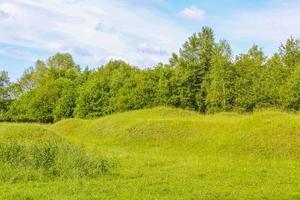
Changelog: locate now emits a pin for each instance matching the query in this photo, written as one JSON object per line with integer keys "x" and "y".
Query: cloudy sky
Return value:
{"x": 141, "y": 32}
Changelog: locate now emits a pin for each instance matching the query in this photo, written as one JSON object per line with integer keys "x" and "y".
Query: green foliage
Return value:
{"x": 4, "y": 93}
{"x": 202, "y": 77}
{"x": 97, "y": 97}
{"x": 221, "y": 92}
{"x": 52, "y": 101}
{"x": 248, "y": 84}
{"x": 64, "y": 108}
{"x": 137, "y": 92}
{"x": 62, "y": 66}
{"x": 291, "y": 92}
{"x": 192, "y": 75}
{"x": 290, "y": 52}
{"x": 47, "y": 92}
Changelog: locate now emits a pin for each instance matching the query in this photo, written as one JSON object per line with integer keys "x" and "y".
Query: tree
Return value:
{"x": 248, "y": 84}
{"x": 34, "y": 76}
{"x": 65, "y": 106}
{"x": 193, "y": 68}
{"x": 138, "y": 91}
{"x": 4, "y": 92}
{"x": 291, "y": 91}
{"x": 98, "y": 96}
{"x": 221, "y": 93}
{"x": 275, "y": 76}
{"x": 57, "y": 66}
{"x": 50, "y": 102}
{"x": 62, "y": 66}
{"x": 164, "y": 84}
{"x": 290, "y": 52}
{"x": 47, "y": 91}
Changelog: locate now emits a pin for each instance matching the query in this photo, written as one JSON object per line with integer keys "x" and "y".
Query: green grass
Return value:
{"x": 166, "y": 153}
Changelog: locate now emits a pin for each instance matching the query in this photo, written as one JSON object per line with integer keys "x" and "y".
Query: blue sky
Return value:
{"x": 142, "y": 32}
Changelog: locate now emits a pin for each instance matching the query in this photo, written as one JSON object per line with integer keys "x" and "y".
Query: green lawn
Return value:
{"x": 166, "y": 153}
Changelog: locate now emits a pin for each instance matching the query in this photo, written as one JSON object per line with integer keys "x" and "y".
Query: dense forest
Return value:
{"x": 204, "y": 76}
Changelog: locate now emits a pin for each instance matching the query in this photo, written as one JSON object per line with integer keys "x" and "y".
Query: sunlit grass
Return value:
{"x": 166, "y": 153}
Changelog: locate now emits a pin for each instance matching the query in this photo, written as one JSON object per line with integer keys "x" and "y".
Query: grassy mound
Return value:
{"x": 163, "y": 153}
{"x": 266, "y": 134}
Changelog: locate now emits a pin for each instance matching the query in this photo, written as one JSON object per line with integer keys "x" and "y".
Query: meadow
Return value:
{"x": 159, "y": 153}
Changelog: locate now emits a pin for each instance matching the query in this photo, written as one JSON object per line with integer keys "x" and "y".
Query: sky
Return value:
{"x": 141, "y": 32}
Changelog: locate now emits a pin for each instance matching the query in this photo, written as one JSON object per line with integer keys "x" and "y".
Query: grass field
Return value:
{"x": 160, "y": 153}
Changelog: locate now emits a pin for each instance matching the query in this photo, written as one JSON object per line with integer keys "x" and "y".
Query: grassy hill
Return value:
{"x": 160, "y": 153}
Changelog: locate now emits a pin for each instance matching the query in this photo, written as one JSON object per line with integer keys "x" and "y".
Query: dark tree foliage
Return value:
{"x": 203, "y": 76}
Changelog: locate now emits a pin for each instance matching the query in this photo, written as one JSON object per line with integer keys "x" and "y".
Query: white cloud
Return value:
{"x": 148, "y": 49}
{"x": 193, "y": 13}
{"x": 18, "y": 54}
{"x": 95, "y": 31}
{"x": 106, "y": 59}
{"x": 3, "y": 14}
{"x": 91, "y": 30}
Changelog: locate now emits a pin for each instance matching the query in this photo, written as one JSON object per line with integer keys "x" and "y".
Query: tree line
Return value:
{"x": 204, "y": 76}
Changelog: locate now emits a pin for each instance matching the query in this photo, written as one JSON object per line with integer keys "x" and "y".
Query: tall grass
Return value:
{"x": 47, "y": 160}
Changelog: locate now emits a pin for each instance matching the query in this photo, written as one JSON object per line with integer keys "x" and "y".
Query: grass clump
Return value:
{"x": 47, "y": 160}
